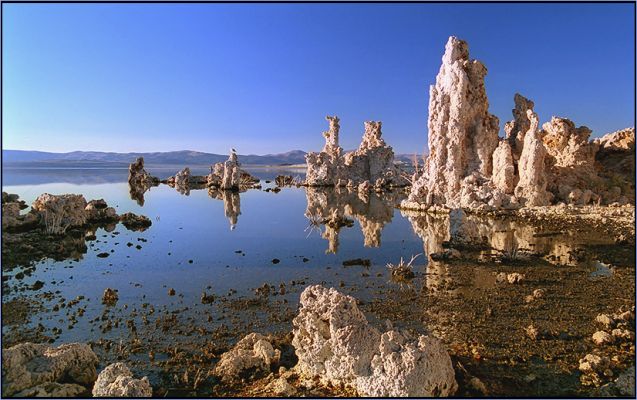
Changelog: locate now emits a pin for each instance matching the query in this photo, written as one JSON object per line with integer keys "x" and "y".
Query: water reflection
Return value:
{"x": 505, "y": 237}
{"x": 231, "y": 204}
{"x": 335, "y": 208}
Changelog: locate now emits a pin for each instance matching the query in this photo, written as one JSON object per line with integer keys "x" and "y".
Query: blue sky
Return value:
{"x": 262, "y": 77}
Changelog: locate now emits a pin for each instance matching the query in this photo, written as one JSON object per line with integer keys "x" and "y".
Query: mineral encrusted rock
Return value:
{"x": 325, "y": 168}
{"x": 470, "y": 167}
{"x": 615, "y": 160}
{"x": 98, "y": 210}
{"x": 54, "y": 389}
{"x": 11, "y": 216}
{"x": 228, "y": 175}
{"x": 408, "y": 366}
{"x": 59, "y": 212}
{"x": 531, "y": 187}
{"x": 117, "y": 380}
{"x": 252, "y": 352}
{"x": 516, "y": 129}
{"x": 137, "y": 175}
{"x": 372, "y": 162}
{"x": 135, "y": 222}
{"x": 231, "y": 174}
{"x": 28, "y": 365}
{"x": 504, "y": 177}
{"x": 139, "y": 181}
{"x": 462, "y": 133}
{"x": 334, "y": 342}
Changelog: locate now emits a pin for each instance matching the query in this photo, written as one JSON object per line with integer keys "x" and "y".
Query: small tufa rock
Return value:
{"x": 532, "y": 332}
{"x": 515, "y": 278}
{"x": 110, "y": 297}
{"x": 281, "y": 387}
{"x": 253, "y": 351}
{"x": 601, "y": 338}
{"x": 117, "y": 380}
{"x": 592, "y": 363}
{"x": 623, "y": 334}
{"x": 605, "y": 320}
{"x": 135, "y": 222}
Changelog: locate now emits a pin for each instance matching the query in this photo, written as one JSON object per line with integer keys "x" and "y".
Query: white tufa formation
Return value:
{"x": 334, "y": 342}
{"x": 462, "y": 133}
{"x": 470, "y": 167}
{"x": 531, "y": 187}
{"x": 28, "y": 368}
{"x": 117, "y": 380}
{"x": 253, "y": 351}
{"x": 372, "y": 162}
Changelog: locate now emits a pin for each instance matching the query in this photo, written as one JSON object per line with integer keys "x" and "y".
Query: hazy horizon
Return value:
{"x": 132, "y": 77}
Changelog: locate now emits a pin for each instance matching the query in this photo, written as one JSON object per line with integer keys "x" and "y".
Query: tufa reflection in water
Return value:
{"x": 336, "y": 208}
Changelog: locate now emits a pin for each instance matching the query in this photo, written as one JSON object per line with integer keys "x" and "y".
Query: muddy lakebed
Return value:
{"x": 216, "y": 266}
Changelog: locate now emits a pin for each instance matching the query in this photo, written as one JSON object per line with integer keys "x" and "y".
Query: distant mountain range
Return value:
{"x": 96, "y": 159}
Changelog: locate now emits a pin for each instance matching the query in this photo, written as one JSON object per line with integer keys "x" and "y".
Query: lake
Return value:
{"x": 215, "y": 266}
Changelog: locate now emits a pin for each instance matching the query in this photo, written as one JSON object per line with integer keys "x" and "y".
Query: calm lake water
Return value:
{"x": 228, "y": 245}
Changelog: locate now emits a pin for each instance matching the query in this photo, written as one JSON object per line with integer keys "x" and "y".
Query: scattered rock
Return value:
{"x": 605, "y": 320}
{"x": 135, "y": 222}
{"x": 515, "y": 277}
{"x": 110, "y": 297}
{"x": 281, "y": 387}
{"x": 601, "y": 337}
{"x": 532, "y": 332}
{"x": 357, "y": 261}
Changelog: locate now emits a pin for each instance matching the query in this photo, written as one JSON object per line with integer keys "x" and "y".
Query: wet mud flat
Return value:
{"x": 519, "y": 338}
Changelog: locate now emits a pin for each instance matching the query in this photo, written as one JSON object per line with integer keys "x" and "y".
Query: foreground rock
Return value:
{"x": 334, "y": 342}
{"x": 30, "y": 369}
{"x": 117, "y": 380}
{"x": 253, "y": 352}
{"x": 372, "y": 162}
{"x": 470, "y": 167}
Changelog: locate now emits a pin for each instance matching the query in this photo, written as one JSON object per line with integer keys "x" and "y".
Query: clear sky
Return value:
{"x": 262, "y": 77}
